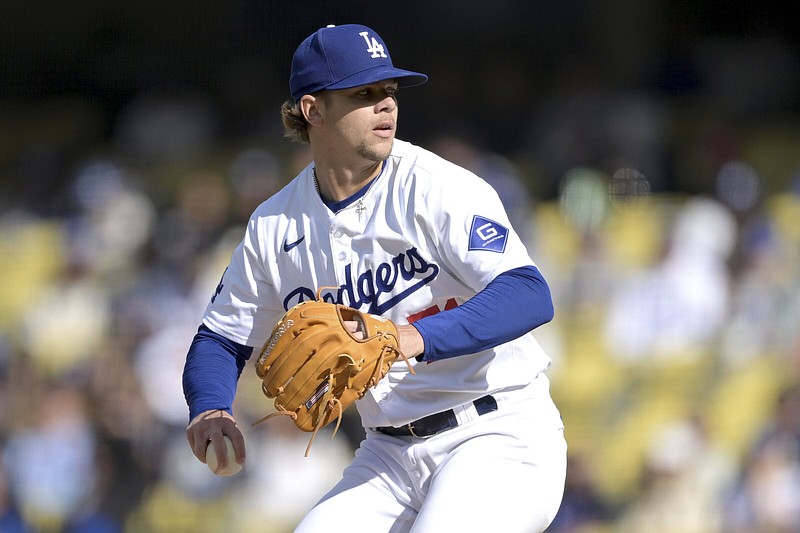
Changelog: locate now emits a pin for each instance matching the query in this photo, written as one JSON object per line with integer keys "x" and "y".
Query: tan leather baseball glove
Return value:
{"x": 315, "y": 367}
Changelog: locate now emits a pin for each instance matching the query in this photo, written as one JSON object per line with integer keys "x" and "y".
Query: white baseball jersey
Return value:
{"x": 425, "y": 237}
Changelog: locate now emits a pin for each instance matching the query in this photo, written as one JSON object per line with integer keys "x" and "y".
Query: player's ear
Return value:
{"x": 310, "y": 106}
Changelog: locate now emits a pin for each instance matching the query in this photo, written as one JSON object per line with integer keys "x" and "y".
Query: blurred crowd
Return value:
{"x": 676, "y": 346}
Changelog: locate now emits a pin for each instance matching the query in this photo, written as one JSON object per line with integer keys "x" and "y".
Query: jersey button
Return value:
{"x": 385, "y": 396}
{"x": 337, "y": 233}
{"x": 342, "y": 256}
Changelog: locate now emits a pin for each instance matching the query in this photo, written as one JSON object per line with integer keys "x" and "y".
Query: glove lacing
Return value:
{"x": 330, "y": 402}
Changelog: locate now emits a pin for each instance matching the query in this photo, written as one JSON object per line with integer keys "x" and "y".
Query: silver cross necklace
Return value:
{"x": 359, "y": 205}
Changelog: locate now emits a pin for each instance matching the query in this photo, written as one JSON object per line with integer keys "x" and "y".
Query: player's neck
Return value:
{"x": 338, "y": 183}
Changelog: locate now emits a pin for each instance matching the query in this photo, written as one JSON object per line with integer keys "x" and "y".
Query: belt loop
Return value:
{"x": 465, "y": 413}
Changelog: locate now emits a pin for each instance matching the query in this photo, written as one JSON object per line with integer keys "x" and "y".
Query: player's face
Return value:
{"x": 363, "y": 119}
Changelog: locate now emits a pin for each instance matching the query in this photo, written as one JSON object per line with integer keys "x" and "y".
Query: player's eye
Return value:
{"x": 375, "y": 93}
{"x": 364, "y": 94}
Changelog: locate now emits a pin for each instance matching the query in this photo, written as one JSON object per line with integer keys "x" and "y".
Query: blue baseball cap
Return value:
{"x": 340, "y": 57}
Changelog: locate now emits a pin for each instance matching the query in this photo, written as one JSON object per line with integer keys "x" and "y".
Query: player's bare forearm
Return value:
{"x": 411, "y": 343}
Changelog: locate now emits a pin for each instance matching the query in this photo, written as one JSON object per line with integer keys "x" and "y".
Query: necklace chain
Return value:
{"x": 359, "y": 204}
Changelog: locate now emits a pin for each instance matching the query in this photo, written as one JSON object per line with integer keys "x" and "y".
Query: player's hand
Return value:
{"x": 211, "y": 426}
{"x": 355, "y": 327}
{"x": 411, "y": 343}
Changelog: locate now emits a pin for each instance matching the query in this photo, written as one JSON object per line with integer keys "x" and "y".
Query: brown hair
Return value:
{"x": 295, "y": 125}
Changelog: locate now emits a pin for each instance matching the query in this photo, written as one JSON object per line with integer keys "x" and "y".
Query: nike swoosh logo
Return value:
{"x": 289, "y": 245}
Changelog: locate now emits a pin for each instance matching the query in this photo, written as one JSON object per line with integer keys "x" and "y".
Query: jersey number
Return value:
{"x": 432, "y": 310}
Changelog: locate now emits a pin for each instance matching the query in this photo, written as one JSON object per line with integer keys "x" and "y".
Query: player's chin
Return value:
{"x": 376, "y": 151}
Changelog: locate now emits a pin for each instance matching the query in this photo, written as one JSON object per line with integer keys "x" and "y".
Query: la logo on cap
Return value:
{"x": 373, "y": 46}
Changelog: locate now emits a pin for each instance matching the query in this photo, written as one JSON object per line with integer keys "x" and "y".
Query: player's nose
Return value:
{"x": 388, "y": 104}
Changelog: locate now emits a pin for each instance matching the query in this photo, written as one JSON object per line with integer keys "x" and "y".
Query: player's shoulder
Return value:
{"x": 430, "y": 171}
{"x": 287, "y": 196}
{"x": 422, "y": 164}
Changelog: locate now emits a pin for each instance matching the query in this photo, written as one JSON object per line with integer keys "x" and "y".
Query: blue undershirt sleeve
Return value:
{"x": 213, "y": 366}
{"x": 512, "y": 304}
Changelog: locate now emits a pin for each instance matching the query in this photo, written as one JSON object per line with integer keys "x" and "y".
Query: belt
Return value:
{"x": 436, "y": 423}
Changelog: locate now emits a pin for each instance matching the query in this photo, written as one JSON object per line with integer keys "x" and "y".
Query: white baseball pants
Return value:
{"x": 502, "y": 471}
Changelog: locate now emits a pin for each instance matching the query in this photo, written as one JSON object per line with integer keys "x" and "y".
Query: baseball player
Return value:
{"x": 471, "y": 440}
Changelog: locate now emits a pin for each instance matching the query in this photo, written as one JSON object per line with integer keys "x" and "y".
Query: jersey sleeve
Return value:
{"x": 241, "y": 308}
{"x": 470, "y": 228}
{"x": 515, "y": 302}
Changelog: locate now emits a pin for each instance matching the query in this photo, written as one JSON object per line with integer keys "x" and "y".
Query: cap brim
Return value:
{"x": 405, "y": 78}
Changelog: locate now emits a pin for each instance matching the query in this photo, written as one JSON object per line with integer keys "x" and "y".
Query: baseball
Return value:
{"x": 233, "y": 467}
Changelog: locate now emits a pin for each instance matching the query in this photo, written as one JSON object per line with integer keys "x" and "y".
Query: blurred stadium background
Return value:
{"x": 649, "y": 153}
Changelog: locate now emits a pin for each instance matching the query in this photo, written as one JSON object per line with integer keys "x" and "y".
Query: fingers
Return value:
{"x": 237, "y": 439}
{"x": 213, "y": 426}
{"x": 356, "y": 327}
